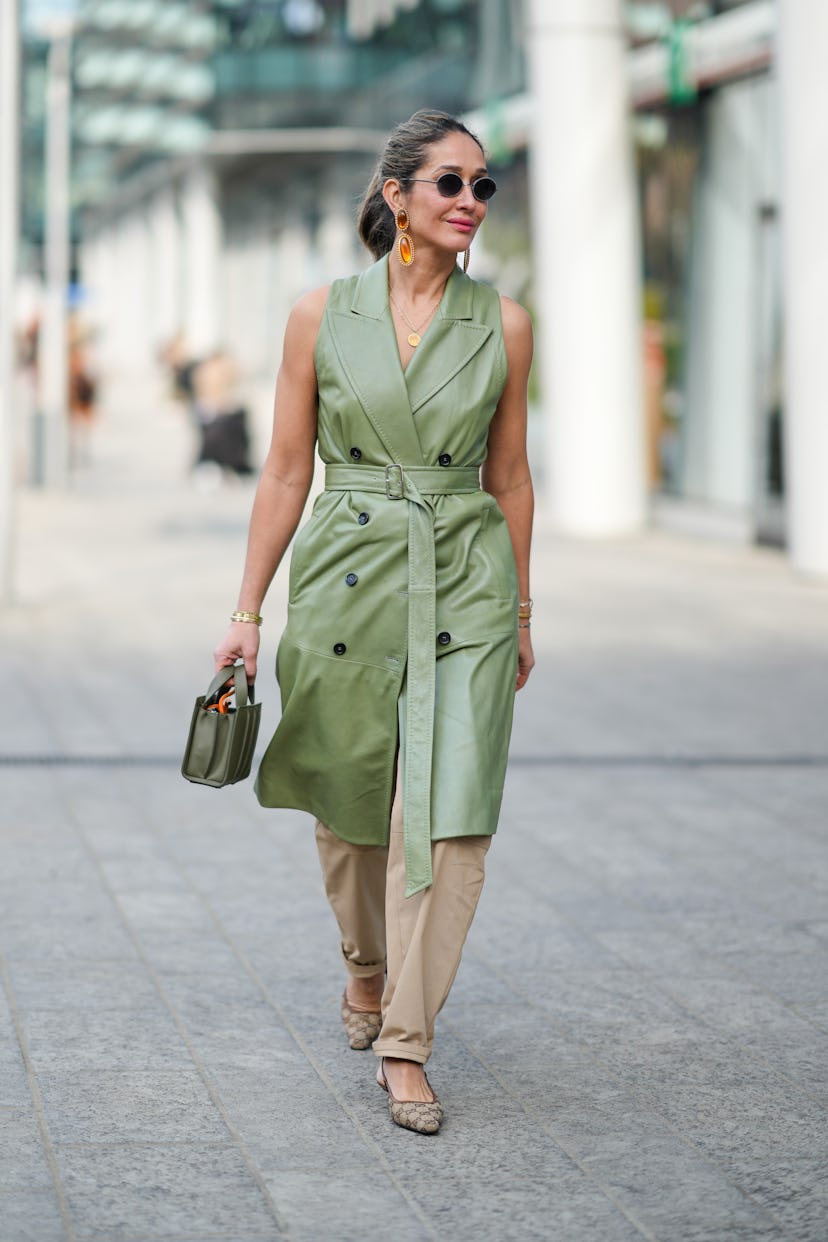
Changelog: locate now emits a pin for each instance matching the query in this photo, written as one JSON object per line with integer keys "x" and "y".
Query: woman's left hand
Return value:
{"x": 526, "y": 658}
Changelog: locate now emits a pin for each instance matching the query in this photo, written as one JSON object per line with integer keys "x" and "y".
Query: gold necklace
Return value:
{"x": 414, "y": 336}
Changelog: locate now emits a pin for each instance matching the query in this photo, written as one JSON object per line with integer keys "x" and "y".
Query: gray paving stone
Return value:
{"x": 703, "y": 1204}
{"x": 488, "y": 1205}
{"x": 92, "y": 984}
{"x": 99, "y": 1106}
{"x": 23, "y": 1163}
{"x": 171, "y": 910}
{"x": 27, "y": 1216}
{"x": 141, "y": 1038}
{"x": 229, "y": 1027}
{"x": 345, "y": 1206}
{"x": 289, "y": 1119}
{"x": 14, "y": 1086}
{"x": 161, "y": 1192}
{"x": 188, "y": 952}
{"x": 73, "y": 921}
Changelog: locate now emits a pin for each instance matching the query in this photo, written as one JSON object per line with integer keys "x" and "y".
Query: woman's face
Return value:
{"x": 446, "y": 223}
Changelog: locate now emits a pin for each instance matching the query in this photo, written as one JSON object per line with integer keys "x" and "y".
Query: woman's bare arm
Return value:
{"x": 285, "y": 479}
{"x": 505, "y": 471}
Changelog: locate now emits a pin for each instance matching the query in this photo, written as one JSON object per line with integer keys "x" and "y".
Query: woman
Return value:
{"x": 408, "y": 620}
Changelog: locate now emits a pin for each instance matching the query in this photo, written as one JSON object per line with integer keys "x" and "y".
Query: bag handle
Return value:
{"x": 234, "y": 673}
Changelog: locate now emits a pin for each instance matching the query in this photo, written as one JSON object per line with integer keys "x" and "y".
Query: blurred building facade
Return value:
{"x": 221, "y": 146}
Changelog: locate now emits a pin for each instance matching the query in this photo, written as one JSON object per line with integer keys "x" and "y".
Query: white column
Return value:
{"x": 9, "y": 229}
{"x": 586, "y": 262}
{"x": 165, "y": 243}
{"x": 804, "y": 94}
{"x": 201, "y": 224}
{"x": 133, "y": 352}
{"x": 719, "y": 441}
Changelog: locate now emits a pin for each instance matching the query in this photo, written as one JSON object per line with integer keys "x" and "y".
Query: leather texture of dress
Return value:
{"x": 402, "y": 615}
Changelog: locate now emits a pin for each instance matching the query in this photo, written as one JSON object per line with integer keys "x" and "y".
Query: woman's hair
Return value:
{"x": 404, "y": 153}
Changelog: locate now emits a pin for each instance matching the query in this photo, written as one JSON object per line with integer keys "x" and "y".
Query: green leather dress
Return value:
{"x": 402, "y": 616}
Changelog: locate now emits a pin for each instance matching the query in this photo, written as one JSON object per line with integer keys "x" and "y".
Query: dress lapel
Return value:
{"x": 450, "y": 343}
{"x": 367, "y": 349}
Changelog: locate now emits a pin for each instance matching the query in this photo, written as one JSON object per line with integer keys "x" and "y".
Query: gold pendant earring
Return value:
{"x": 405, "y": 246}
{"x": 466, "y": 254}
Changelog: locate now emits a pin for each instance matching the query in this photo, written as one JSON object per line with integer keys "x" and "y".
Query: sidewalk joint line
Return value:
{"x": 59, "y": 759}
{"x": 37, "y": 1100}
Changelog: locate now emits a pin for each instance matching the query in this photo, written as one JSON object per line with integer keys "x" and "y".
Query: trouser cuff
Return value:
{"x": 405, "y": 1052}
{"x": 363, "y": 970}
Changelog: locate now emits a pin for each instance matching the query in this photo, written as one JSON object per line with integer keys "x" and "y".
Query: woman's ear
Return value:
{"x": 393, "y": 195}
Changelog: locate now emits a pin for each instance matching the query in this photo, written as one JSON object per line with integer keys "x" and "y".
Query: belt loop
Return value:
{"x": 389, "y": 483}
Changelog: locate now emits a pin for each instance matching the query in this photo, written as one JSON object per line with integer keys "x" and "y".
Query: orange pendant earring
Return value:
{"x": 405, "y": 246}
{"x": 466, "y": 254}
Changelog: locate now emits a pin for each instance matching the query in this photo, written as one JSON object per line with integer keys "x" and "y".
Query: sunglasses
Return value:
{"x": 451, "y": 184}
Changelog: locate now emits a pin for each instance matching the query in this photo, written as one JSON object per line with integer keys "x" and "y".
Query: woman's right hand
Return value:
{"x": 241, "y": 642}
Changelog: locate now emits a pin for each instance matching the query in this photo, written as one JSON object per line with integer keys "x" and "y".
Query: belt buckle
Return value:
{"x": 389, "y": 482}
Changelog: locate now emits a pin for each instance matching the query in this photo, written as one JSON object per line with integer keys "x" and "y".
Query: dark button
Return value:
{"x": 444, "y": 638}
{"x": 351, "y": 579}
{"x": 356, "y": 453}
{"x": 444, "y": 459}
{"x": 362, "y": 519}
{"x": 339, "y": 648}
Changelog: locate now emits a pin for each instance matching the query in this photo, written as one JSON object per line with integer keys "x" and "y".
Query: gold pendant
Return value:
{"x": 414, "y": 339}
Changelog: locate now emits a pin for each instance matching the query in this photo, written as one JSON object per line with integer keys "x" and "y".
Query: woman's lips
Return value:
{"x": 465, "y": 226}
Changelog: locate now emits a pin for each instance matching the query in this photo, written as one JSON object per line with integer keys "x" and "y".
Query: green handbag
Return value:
{"x": 223, "y": 731}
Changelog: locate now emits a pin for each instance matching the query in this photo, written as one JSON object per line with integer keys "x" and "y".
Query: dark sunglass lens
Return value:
{"x": 483, "y": 188}
{"x": 449, "y": 184}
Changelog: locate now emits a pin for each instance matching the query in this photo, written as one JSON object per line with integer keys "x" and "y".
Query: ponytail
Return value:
{"x": 375, "y": 220}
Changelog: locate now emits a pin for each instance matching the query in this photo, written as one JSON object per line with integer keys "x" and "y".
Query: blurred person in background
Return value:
{"x": 81, "y": 393}
{"x": 220, "y": 418}
{"x": 408, "y": 619}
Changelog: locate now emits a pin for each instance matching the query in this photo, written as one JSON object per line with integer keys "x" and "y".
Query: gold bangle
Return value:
{"x": 241, "y": 615}
{"x": 524, "y": 603}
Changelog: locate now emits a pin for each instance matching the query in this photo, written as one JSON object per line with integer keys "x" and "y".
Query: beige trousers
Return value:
{"x": 419, "y": 939}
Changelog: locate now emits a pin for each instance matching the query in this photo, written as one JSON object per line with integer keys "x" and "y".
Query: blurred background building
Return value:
{"x": 219, "y": 148}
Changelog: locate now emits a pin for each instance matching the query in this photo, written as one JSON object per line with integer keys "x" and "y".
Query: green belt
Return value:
{"x": 413, "y": 483}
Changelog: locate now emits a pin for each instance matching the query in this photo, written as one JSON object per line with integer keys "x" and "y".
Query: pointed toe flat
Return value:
{"x": 424, "y": 1117}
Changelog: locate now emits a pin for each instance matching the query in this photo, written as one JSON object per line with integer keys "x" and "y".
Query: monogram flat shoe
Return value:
{"x": 361, "y": 1028}
{"x": 418, "y": 1115}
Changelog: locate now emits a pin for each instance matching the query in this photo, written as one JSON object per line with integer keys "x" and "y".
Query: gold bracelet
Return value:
{"x": 524, "y": 603}
{"x": 241, "y": 615}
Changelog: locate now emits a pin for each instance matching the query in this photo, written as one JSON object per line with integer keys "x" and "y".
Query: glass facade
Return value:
{"x": 709, "y": 190}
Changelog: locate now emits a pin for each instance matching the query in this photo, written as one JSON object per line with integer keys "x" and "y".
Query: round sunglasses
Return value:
{"x": 450, "y": 184}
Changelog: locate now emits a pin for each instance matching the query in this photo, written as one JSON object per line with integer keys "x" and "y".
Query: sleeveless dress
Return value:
{"x": 402, "y": 613}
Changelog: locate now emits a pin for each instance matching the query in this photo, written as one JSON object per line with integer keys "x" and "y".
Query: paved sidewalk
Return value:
{"x": 637, "y": 1042}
